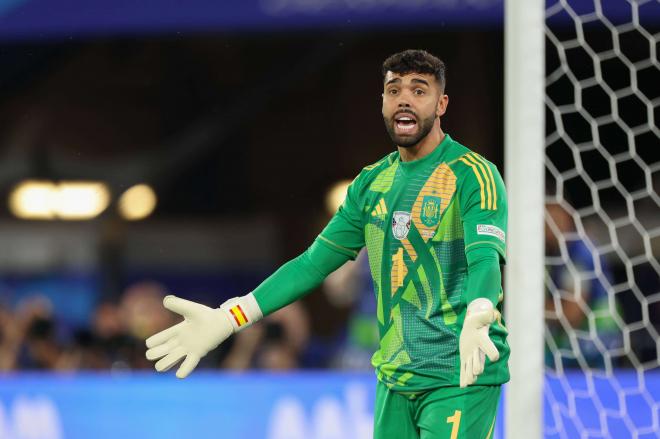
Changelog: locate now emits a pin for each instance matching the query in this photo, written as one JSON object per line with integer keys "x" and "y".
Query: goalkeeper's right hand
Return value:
{"x": 201, "y": 331}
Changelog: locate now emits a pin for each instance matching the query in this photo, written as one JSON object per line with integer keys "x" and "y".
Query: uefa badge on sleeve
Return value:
{"x": 400, "y": 224}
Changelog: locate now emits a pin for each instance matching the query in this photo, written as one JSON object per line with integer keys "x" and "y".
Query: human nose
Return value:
{"x": 403, "y": 100}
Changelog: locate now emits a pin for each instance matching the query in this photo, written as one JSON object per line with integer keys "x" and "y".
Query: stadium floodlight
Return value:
{"x": 336, "y": 195}
{"x": 138, "y": 202}
{"x": 81, "y": 200}
{"x": 67, "y": 200}
{"x": 32, "y": 200}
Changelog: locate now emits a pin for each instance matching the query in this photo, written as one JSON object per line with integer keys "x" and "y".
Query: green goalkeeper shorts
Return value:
{"x": 443, "y": 413}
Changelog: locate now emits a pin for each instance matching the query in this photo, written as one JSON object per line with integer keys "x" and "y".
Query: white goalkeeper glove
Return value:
{"x": 475, "y": 342}
{"x": 201, "y": 331}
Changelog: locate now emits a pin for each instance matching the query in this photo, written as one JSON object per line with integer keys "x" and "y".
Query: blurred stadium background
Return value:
{"x": 160, "y": 147}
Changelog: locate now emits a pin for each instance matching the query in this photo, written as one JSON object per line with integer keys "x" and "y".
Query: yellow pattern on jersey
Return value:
{"x": 442, "y": 184}
{"x": 485, "y": 178}
{"x": 380, "y": 210}
{"x": 490, "y": 174}
{"x": 410, "y": 249}
{"x": 399, "y": 270}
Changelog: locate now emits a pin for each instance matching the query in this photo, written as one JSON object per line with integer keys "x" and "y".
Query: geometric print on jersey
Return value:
{"x": 440, "y": 186}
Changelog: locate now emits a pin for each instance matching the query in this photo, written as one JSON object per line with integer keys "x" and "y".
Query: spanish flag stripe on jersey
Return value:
{"x": 485, "y": 175}
{"x": 492, "y": 178}
{"x": 239, "y": 315}
{"x": 481, "y": 183}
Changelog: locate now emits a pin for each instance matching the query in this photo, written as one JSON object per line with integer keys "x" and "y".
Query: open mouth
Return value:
{"x": 405, "y": 122}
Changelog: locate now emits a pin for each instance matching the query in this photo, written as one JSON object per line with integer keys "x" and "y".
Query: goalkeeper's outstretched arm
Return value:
{"x": 204, "y": 328}
{"x": 484, "y": 215}
{"x": 482, "y": 296}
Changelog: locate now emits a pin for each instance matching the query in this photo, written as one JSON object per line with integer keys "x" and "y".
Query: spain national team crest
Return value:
{"x": 430, "y": 214}
{"x": 400, "y": 224}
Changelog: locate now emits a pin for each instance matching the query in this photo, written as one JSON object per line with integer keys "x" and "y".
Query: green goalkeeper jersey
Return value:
{"x": 418, "y": 220}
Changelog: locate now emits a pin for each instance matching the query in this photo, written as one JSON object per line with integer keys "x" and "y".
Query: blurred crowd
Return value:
{"x": 599, "y": 309}
{"x": 32, "y": 337}
{"x": 586, "y": 326}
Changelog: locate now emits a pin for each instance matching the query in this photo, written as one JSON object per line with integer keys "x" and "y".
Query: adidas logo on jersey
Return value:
{"x": 380, "y": 211}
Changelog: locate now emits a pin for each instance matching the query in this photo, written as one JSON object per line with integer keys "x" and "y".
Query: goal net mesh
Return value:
{"x": 602, "y": 215}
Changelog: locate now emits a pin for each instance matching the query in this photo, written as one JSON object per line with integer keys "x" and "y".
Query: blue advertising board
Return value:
{"x": 303, "y": 405}
{"x": 296, "y": 405}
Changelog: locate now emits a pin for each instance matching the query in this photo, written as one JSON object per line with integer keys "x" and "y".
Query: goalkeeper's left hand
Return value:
{"x": 474, "y": 340}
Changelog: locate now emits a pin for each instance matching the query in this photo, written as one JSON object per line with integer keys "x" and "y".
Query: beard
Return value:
{"x": 407, "y": 141}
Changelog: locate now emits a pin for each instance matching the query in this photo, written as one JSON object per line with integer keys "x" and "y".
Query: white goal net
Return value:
{"x": 602, "y": 215}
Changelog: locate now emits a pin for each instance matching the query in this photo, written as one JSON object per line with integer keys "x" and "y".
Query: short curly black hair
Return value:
{"x": 416, "y": 61}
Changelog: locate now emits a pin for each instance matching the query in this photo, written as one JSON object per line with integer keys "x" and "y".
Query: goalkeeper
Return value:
{"x": 432, "y": 215}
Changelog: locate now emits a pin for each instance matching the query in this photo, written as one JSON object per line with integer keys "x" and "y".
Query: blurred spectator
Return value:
{"x": 582, "y": 326}
{"x": 41, "y": 349}
{"x": 351, "y": 285}
{"x": 29, "y": 339}
{"x": 82, "y": 353}
{"x": 106, "y": 345}
{"x": 10, "y": 339}
{"x": 111, "y": 333}
{"x": 275, "y": 343}
{"x": 141, "y": 307}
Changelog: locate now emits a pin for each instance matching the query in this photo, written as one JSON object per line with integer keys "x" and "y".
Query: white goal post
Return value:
{"x": 524, "y": 175}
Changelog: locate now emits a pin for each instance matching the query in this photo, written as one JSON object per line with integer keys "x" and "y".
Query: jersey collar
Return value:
{"x": 434, "y": 157}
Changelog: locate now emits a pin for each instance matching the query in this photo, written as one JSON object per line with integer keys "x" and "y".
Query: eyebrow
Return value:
{"x": 419, "y": 81}
{"x": 414, "y": 81}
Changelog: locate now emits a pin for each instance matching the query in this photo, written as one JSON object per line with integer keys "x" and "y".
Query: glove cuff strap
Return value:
{"x": 242, "y": 311}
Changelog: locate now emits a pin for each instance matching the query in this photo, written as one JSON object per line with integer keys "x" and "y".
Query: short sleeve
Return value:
{"x": 345, "y": 232}
{"x": 483, "y": 203}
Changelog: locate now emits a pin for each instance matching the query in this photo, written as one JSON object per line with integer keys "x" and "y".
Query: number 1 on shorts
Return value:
{"x": 455, "y": 420}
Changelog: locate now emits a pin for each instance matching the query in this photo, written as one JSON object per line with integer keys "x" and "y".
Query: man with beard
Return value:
{"x": 432, "y": 215}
